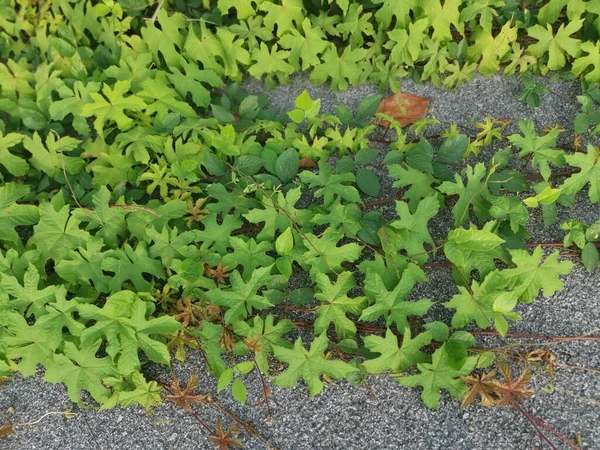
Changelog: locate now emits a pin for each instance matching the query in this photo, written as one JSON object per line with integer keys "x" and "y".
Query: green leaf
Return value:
{"x": 210, "y": 335}
{"x": 270, "y": 63}
{"x": 261, "y": 335}
{"x": 540, "y": 146}
{"x": 128, "y": 264}
{"x": 243, "y": 8}
{"x": 225, "y": 379}
{"x": 529, "y": 276}
{"x": 509, "y": 208}
{"x": 453, "y": 148}
{"x": 80, "y": 369}
{"x": 278, "y": 213}
{"x": 287, "y": 165}
{"x": 550, "y": 12}
{"x": 309, "y": 365}
{"x": 168, "y": 243}
{"x": 137, "y": 391}
{"x": 13, "y": 214}
{"x": 439, "y": 375}
{"x": 421, "y": 156}
{"x": 110, "y": 221}
{"x": 419, "y": 182}
{"x": 285, "y": 243}
{"x": 324, "y": 256}
{"x": 61, "y": 314}
{"x": 216, "y": 237}
{"x": 393, "y": 304}
{"x": 589, "y": 163}
{"x": 366, "y": 156}
{"x": 331, "y": 185}
{"x": 398, "y": 9}
{"x": 474, "y": 249}
{"x": 481, "y": 303}
{"x": 26, "y": 297}
{"x": 556, "y": 45}
{"x": 343, "y": 70}
{"x": 284, "y": 15}
{"x": 227, "y": 201}
{"x": 248, "y": 254}
{"x": 221, "y": 51}
{"x": 303, "y": 101}
{"x": 474, "y": 194}
{"x": 336, "y": 304}
{"x": 31, "y": 345}
{"x": 57, "y": 234}
{"x": 355, "y": 25}
{"x": 15, "y": 165}
{"x": 84, "y": 266}
{"x": 393, "y": 357}
{"x": 591, "y": 60}
{"x": 239, "y": 391}
{"x": 163, "y": 99}
{"x": 367, "y": 108}
{"x": 113, "y": 107}
{"x": 368, "y": 182}
{"x": 123, "y": 324}
{"x": 442, "y": 16}
{"x": 547, "y": 197}
{"x": 589, "y": 256}
{"x": 193, "y": 82}
{"x": 412, "y": 228}
{"x": 242, "y": 297}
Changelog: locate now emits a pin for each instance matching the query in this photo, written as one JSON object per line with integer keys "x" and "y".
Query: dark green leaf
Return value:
{"x": 348, "y": 346}
{"x": 453, "y": 148}
{"x": 344, "y": 114}
{"x": 248, "y": 164}
{"x": 366, "y": 156}
{"x": 589, "y": 256}
{"x": 368, "y": 182}
{"x": 345, "y": 164}
{"x": 221, "y": 114}
{"x": 302, "y": 296}
{"x": 368, "y": 106}
{"x": 421, "y": 156}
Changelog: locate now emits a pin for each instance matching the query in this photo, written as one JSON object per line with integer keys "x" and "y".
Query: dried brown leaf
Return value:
{"x": 6, "y": 430}
{"x": 513, "y": 391}
{"x": 185, "y": 398}
{"x": 482, "y": 385}
{"x": 405, "y": 108}
{"x": 307, "y": 163}
{"x": 225, "y": 439}
{"x": 219, "y": 273}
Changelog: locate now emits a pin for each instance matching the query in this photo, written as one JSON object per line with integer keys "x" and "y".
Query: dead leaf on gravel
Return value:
{"x": 6, "y": 430}
{"x": 405, "y": 108}
{"x": 226, "y": 439}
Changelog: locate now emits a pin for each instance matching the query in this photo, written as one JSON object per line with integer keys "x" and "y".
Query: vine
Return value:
{"x": 149, "y": 204}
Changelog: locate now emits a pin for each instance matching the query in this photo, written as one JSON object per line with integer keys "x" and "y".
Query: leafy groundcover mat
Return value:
{"x": 150, "y": 207}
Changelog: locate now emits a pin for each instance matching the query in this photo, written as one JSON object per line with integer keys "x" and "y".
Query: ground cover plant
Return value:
{"x": 150, "y": 207}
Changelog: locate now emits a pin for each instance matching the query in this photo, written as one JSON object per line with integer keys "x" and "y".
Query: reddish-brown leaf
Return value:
{"x": 307, "y": 163}
{"x": 513, "y": 391}
{"x": 225, "y": 439}
{"x": 405, "y": 108}
{"x": 219, "y": 273}
{"x": 185, "y": 398}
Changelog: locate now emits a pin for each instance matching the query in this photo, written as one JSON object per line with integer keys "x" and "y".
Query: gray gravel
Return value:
{"x": 386, "y": 416}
